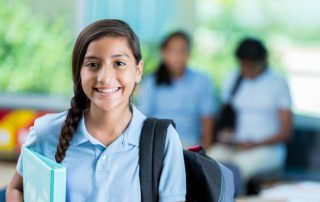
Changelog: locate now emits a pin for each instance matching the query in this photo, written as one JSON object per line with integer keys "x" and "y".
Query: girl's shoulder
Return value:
{"x": 198, "y": 76}
{"x": 149, "y": 79}
{"x": 275, "y": 79}
{"x": 51, "y": 119}
{"x": 49, "y": 123}
{"x": 43, "y": 136}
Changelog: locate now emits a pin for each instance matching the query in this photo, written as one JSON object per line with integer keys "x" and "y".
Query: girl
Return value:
{"x": 263, "y": 122}
{"x": 97, "y": 139}
{"x": 180, "y": 93}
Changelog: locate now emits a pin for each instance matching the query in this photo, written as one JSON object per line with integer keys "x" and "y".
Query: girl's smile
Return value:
{"x": 107, "y": 91}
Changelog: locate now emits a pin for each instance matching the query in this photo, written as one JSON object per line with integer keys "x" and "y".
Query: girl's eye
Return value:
{"x": 119, "y": 64}
{"x": 92, "y": 65}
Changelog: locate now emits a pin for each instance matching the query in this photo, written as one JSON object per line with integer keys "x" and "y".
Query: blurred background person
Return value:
{"x": 178, "y": 92}
{"x": 262, "y": 105}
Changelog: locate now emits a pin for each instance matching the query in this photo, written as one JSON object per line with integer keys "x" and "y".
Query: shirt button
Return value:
{"x": 104, "y": 157}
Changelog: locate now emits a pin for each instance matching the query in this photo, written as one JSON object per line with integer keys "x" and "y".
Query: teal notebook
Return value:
{"x": 44, "y": 180}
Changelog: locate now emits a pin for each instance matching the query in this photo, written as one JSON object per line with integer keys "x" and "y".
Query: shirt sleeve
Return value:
{"x": 207, "y": 98}
{"x": 282, "y": 95}
{"x": 144, "y": 95}
{"x": 32, "y": 143}
{"x": 172, "y": 186}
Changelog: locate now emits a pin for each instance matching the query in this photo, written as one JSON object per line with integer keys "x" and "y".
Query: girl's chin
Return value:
{"x": 107, "y": 106}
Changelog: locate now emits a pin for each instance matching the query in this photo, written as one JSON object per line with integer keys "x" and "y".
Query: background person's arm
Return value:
{"x": 284, "y": 134}
{"x": 285, "y": 118}
{"x": 207, "y": 131}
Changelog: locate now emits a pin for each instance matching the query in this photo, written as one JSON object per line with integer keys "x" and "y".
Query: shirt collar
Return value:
{"x": 185, "y": 76}
{"x": 131, "y": 134}
{"x": 81, "y": 133}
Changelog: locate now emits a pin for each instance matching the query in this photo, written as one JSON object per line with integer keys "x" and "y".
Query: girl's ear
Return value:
{"x": 139, "y": 71}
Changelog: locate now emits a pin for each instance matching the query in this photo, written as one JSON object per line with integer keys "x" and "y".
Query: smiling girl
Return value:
{"x": 97, "y": 139}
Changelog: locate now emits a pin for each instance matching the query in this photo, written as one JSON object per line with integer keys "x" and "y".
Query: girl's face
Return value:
{"x": 109, "y": 73}
{"x": 175, "y": 55}
{"x": 250, "y": 68}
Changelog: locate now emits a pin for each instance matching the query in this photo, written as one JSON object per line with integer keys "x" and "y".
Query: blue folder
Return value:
{"x": 44, "y": 180}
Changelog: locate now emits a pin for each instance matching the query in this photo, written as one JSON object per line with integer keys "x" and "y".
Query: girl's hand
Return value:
{"x": 14, "y": 190}
{"x": 227, "y": 137}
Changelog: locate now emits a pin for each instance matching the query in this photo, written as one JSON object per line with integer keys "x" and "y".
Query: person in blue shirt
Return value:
{"x": 97, "y": 139}
{"x": 177, "y": 92}
{"x": 263, "y": 114}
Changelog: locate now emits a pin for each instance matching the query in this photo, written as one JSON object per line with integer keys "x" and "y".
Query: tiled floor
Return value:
{"x": 6, "y": 172}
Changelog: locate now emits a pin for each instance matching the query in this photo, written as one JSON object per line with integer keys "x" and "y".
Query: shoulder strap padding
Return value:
{"x": 151, "y": 154}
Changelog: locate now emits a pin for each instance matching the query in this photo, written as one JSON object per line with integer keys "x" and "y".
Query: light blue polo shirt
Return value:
{"x": 257, "y": 102}
{"x": 98, "y": 173}
{"x": 187, "y": 100}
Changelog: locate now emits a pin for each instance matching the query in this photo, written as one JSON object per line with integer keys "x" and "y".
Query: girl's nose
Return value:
{"x": 105, "y": 74}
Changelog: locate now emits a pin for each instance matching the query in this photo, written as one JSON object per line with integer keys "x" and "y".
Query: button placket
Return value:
{"x": 97, "y": 150}
{"x": 102, "y": 164}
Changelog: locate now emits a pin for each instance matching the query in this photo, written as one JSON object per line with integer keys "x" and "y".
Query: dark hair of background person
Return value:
{"x": 79, "y": 102}
{"x": 162, "y": 73}
{"x": 251, "y": 49}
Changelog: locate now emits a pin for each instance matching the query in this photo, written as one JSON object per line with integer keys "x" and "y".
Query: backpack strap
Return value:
{"x": 235, "y": 87}
{"x": 151, "y": 155}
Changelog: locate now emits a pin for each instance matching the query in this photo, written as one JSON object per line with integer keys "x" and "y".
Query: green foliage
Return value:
{"x": 34, "y": 53}
{"x": 151, "y": 57}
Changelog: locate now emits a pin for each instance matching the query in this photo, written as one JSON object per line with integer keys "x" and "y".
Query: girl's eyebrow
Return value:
{"x": 120, "y": 55}
{"x": 92, "y": 57}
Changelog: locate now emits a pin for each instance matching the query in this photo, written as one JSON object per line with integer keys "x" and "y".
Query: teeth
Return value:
{"x": 109, "y": 90}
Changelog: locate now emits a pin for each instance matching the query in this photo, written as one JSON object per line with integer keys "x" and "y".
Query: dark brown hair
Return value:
{"x": 251, "y": 49}
{"x": 79, "y": 102}
{"x": 162, "y": 74}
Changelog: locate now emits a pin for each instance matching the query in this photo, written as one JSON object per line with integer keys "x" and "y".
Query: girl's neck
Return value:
{"x": 107, "y": 126}
{"x": 178, "y": 75}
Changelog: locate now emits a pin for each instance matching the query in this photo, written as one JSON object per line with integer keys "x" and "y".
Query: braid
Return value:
{"x": 69, "y": 127}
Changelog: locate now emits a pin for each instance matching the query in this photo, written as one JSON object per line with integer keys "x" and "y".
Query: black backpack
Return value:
{"x": 207, "y": 180}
